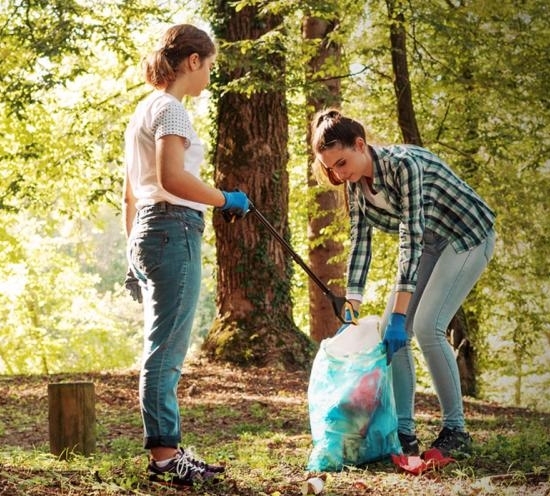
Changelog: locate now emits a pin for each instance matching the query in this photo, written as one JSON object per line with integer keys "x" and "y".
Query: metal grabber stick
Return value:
{"x": 339, "y": 303}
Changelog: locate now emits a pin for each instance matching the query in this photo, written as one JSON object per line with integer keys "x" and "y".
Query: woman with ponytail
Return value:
{"x": 163, "y": 205}
{"x": 446, "y": 239}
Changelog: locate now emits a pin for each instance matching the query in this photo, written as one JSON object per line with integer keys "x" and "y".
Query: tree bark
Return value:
{"x": 327, "y": 202}
{"x": 457, "y": 334}
{"x": 254, "y": 325}
{"x": 405, "y": 109}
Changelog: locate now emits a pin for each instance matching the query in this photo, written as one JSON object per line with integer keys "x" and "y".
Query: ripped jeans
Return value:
{"x": 444, "y": 280}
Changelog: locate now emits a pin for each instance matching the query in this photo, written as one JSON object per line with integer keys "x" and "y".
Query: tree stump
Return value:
{"x": 72, "y": 418}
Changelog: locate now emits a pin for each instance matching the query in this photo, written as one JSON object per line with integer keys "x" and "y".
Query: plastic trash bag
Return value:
{"x": 350, "y": 397}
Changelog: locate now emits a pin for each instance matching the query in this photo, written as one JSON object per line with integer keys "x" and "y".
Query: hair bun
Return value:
{"x": 328, "y": 115}
{"x": 333, "y": 114}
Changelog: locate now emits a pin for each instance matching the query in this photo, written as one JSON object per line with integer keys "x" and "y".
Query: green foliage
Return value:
{"x": 55, "y": 319}
{"x": 62, "y": 80}
{"x": 248, "y": 63}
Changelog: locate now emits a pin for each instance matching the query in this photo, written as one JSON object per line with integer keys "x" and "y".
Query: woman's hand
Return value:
{"x": 395, "y": 336}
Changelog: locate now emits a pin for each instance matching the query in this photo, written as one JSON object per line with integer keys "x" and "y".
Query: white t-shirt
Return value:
{"x": 378, "y": 200}
{"x": 160, "y": 114}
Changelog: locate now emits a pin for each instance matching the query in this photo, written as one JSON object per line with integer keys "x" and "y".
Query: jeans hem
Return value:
{"x": 158, "y": 442}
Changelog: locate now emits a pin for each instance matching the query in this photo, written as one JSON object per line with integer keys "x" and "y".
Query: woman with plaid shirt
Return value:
{"x": 446, "y": 239}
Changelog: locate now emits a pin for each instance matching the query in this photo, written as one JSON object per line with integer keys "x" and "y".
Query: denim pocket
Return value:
{"x": 193, "y": 221}
{"x": 146, "y": 250}
{"x": 195, "y": 225}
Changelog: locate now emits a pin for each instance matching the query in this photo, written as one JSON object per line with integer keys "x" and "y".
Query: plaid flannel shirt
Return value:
{"x": 423, "y": 193}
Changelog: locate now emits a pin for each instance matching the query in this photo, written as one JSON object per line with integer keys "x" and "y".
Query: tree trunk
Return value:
{"x": 405, "y": 110}
{"x": 327, "y": 202}
{"x": 464, "y": 351}
{"x": 254, "y": 324}
{"x": 458, "y": 330}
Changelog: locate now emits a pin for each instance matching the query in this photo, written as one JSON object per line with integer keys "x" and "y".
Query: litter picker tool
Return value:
{"x": 341, "y": 306}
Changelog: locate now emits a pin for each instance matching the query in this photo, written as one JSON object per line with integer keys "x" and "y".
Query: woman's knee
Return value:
{"x": 428, "y": 330}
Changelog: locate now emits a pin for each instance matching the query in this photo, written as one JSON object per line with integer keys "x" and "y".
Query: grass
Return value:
{"x": 256, "y": 422}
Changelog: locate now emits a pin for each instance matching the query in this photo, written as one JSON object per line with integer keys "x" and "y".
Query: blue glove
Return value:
{"x": 395, "y": 336}
{"x": 236, "y": 204}
{"x": 347, "y": 316}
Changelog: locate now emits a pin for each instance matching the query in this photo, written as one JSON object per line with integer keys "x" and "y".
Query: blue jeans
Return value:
{"x": 164, "y": 251}
{"x": 444, "y": 280}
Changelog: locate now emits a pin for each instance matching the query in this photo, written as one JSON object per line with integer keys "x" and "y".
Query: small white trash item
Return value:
{"x": 363, "y": 336}
{"x": 312, "y": 486}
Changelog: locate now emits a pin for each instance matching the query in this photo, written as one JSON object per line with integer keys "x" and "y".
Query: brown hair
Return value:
{"x": 330, "y": 128}
{"x": 179, "y": 41}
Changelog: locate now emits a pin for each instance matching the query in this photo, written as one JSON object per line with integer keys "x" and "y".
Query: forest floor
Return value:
{"x": 255, "y": 421}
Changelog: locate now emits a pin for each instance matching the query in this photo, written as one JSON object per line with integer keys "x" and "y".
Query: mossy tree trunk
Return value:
{"x": 254, "y": 325}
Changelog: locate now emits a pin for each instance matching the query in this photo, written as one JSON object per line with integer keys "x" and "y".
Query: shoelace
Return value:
{"x": 185, "y": 464}
{"x": 194, "y": 459}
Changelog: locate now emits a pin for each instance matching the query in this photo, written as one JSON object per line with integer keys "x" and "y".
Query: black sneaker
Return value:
{"x": 189, "y": 453}
{"x": 452, "y": 441}
{"x": 183, "y": 470}
{"x": 409, "y": 444}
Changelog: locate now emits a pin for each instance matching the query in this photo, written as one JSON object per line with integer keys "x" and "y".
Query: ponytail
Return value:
{"x": 179, "y": 42}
